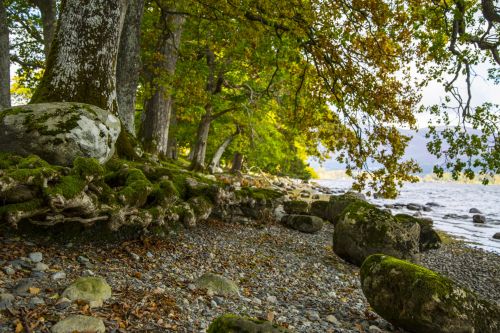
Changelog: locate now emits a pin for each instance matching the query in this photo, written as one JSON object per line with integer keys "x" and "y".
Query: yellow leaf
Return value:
{"x": 34, "y": 290}
{"x": 19, "y": 328}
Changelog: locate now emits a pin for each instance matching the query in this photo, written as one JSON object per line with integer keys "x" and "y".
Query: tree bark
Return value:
{"x": 172, "y": 151}
{"x": 200, "y": 146}
{"x": 220, "y": 151}
{"x": 129, "y": 64}
{"x": 4, "y": 59}
{"x": 237, "y": 162}
{"x": 158, "y": 107}
{"x": 48, "y": 9}
{"x": 82, "y": 62}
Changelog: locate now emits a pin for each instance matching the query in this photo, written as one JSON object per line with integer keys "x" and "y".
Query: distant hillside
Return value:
{"x": 417, "y": 149}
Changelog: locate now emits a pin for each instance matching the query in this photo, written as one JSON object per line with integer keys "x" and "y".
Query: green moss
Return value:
{"x": 87, "y": 167}
{"x": 296, "y": 207}
{"x": 68, "y": 186}
{"x": 32, "y": 162}
{"x": 137, "y": 188}
{"x": 259, "y": 193}
{"x": 21, "y": 207}
{"x": 12, "y": 112}
{"x": 125, "y": 146}
{"x": 162, "y": 193}
{"x": 230, "y": 323}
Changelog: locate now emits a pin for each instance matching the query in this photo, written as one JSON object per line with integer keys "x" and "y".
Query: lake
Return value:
{"x": 454, "y": 198}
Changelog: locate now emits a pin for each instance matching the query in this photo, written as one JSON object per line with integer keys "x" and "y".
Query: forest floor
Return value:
{"x": 291, "y": 278}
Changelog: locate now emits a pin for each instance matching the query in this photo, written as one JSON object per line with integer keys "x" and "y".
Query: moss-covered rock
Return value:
{"x": 304, "y": 223}
{"x": 79, "y": 323}
{"x": 429, "y": 238}
{"x": 218, "y": 284}
{"x": 58, "y": 132}
{"x": 93, "y": 290}
{"x": 230, "y": 323}
{"x": 296, "y": 207}
{"x": 421, "y": 301}
{"x": 201, "y": 207}
{"x": 363, "y": 229}
{"x": 338, "y": 203}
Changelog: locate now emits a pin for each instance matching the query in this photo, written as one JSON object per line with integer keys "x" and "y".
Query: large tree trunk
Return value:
{"x": 214, "y": 164}
{"x": 48, "y": 9}
{"x": 129, "y": 64}
{"x": 4, "y": 59}
{"x": 82, "y": 63}
{"x": 200, "y": 146}
{"x": 158, "y": 108}
{"x": 237, "y": 162}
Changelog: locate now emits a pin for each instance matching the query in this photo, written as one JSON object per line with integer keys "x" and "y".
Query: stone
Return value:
{"x": 40, "y": 267}
{"x": 6, "y": 301}
{"x": 304, "y": 223}
{"x": 333, "y": 320}
{"x": 9, "y": 270}
{"x": 429, "y": 239}
{"x": 232, "y": 323}
{"x": 217, "y": 284}
{"x": 59, "y": 132}
{"x": 135, "y": 256}
{"x": 475, "y": 211}
{"x": 23, "y": 286}
{"x": 374, "y": 329}
{"x": 271, "y": 299}
{"x": 312, "y": 315}
{"x": 36, "y": 256}
{"x": 79, "y": 323}
{"x": 433, "y": 204}
{"x": 331, "y": 210}
{"x": 496, "y": 236}
{"x": 58, "y": 275}
{"x": 479, "y": 218}
{"x": 421, "y": 301}
{"x": 363, "y": 229}
{"x": 296, "y": 207}
{"x": 93, "y": 290}
{"x": 414, "y": 206}
{"x": 36, "y": 301}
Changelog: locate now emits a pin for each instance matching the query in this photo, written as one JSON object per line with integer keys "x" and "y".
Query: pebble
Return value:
{"x": 23, "y": 286}
{"x": 332, "y": 319}
{"x": 35, "y": 301}
{"x": 213, "y": 304}
{"x": 36, "y": 256}
{"x": 479, "y": 218}
{"x": 497, "y": 235}
{"x": 40, "y": 267}
{"x": 271, "y": 299}
{"x": 191, "y": 287}
{"x": 149, "y": 255}
{"x": 58, "y": 275}
{"x": 313, "y": 315}
{"x": 374, "y": 329}
{"x": 6, "y": 301}
{"x": 135, "y": 256}
{"x": 9, "y": 270}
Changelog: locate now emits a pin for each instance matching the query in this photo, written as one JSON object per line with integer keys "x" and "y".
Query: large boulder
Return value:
{"x": 59, "y": 132}
{"x": 332, "y": 209}
{"x": 296, "y": 207}
{"x": 230, "y": 323}
{"x": 363, "y": 229}
{"x": 304, "y": 223}
{"x": 421, "y": 301}
{"x": 429, "y": 238}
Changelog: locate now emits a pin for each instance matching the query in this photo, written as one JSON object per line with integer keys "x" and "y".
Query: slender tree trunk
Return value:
{"x": 172, "y": 140}
{"x": 48, "y": 9}
{"x": 129, "y": 64}
{"x": 4, "y": 59}
{"x": 220, "y": 151}
{"x": 158, "y": 108}
{"x": 82, "y": 63}
{"x": 200, "y": 146}
{"x": 237, "y": 162}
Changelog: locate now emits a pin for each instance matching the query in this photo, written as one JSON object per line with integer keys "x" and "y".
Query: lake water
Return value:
{"x": 455, "y": 199}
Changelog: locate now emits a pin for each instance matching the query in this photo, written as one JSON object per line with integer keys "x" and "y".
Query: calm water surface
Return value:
{"x": 455, "y": 199}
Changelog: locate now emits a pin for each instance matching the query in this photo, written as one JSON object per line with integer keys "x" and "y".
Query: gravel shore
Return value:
{"x": 292, "y": 278}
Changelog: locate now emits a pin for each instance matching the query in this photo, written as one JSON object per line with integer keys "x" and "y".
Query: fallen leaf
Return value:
{"x": 34, "y": 290}
{"x": 19, "y": 328}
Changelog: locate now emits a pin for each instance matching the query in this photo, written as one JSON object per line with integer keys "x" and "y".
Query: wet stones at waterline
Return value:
{"x": 303, "y": 223}
{"x": 422, "y": 301}
{"x": 363, "y": 229}
{"x": 59, "y": 132}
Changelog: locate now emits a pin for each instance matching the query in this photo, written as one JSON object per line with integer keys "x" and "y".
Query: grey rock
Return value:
{"x": 217, "y": 284}
{"x": 79, "y": 323}
{"x": 58, "y": 275}
{"x": 36, "y": 257}
{"x": 374, "y": 329}
{"x": 40, "y": 267}
{"x": 479, "y": 218}
{"x": 9, "y": 270}
{"x": 497, "y": 235}
{"x": 304, "y": 223}
{"x": 36, "y": 301}
{"x": 433, "y": 204}
{"x": 59, "y": 132}
{"x": 475, "y": 211}
{"x": 93, "y": 290}
{"x": 414, "y": 206}
{"x": 363, "y": 229}
{"x": 271, "y": 299}
{"x": 333, "y": 320}
{"x": 23, "y": 286}
{"x": 6, "y": 301}
{"x": 296, "y": 207}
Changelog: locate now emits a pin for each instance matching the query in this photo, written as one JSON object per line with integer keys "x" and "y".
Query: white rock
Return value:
{"x": 36, "y": 256}
{"x": 58, "y": 275}
{"x": 271, "y": 299}
{"x": 40, "y": 267}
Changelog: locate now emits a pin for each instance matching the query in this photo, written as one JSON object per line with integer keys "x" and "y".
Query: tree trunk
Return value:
{"x": 172, "y": 140}
{"x": 237, "y": 162}
{"x": 82, "y": 62}
{"x": 129, "y": 64}
{"x": 158, "y": 108}
{"x": 220, "y": 151}
{"x": 4, "y": 59}
{"x": 48, "y": 9}
{"x": 200, "y": 146}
